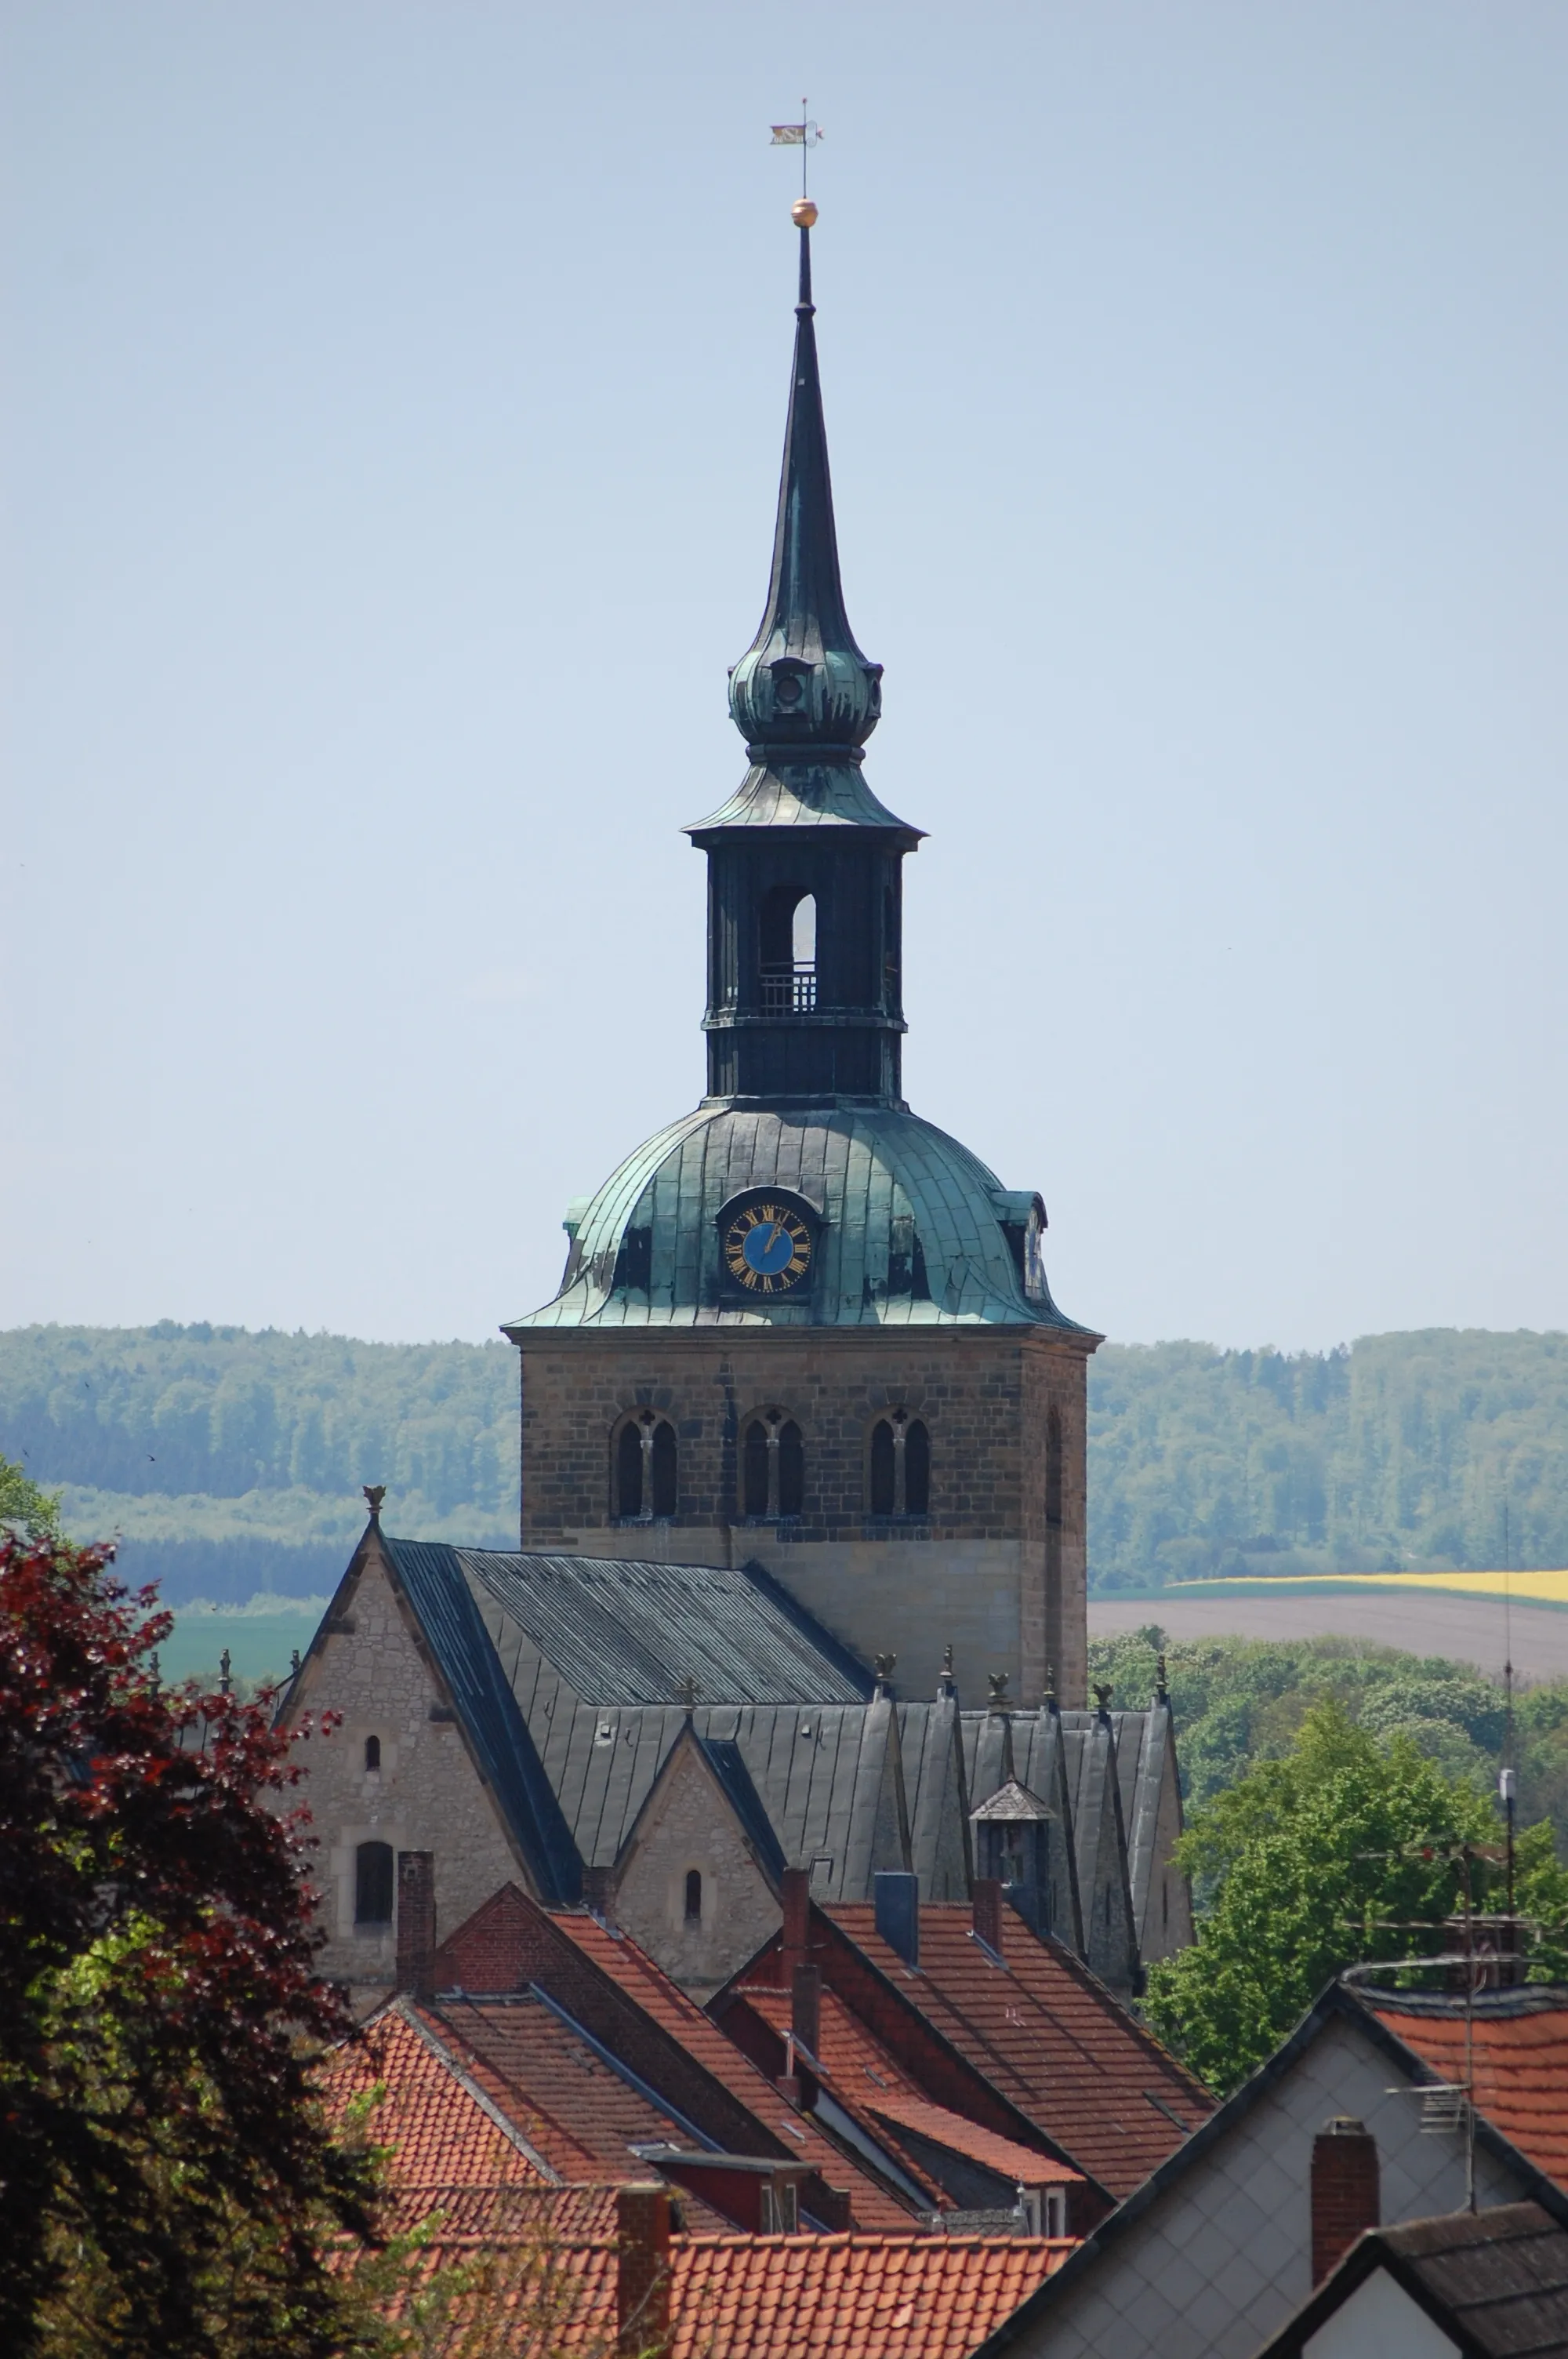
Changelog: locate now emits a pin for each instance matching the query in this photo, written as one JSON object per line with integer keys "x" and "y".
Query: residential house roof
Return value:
{"x": 1493, "y": 2283}
{"x": 1517, "y": 2049}
{"x": 445, "y": 2129}
{"x": 1048, "y": 2036}
{"x": 849, "y": 2297}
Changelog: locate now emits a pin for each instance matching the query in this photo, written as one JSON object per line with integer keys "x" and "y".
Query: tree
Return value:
{"x": 1336, "y": 1853}
{"x": 24, "y": 1507}
{"x": 169, "y": 2185}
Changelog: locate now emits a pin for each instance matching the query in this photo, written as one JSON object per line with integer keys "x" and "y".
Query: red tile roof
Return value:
{"x": 1519, "y": 2063}
{"x": 584, "y": 2116}
{"x": 1048, "y": 2036}
{"x": 867, "y": 2079}
{"x": 442, "y": 2133}
{"x": 1002, "y": 2154}
{"x": 616, "y": 1955}
{"x": 849, "y": 2297}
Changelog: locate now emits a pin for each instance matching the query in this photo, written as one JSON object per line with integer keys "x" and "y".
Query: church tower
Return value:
{"x": 801, "y": 1327}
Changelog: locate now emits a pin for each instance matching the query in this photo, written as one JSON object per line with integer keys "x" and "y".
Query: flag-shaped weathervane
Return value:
{"x": 802, "y": 135}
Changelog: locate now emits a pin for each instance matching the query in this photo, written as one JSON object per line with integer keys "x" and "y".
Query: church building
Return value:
{"x": 802, "y": 1444}
{"x": 802, "y": 1326}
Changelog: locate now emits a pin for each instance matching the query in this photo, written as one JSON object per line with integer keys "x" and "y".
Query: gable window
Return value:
{"x": 694, "y": 1896}
{"x": 772, "y": 1467}
{"x": 645, "y": 1468}
{"x": 372, "y": 1752}
{"x": 898, "y": 1474}
{"x": 372, "y": 1883}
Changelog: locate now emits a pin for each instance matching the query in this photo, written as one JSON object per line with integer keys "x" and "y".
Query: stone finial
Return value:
{"x": 374, "y": 1493}
{"x": 687, "y": 1692}
{"x": 946, "y": 1683}
{"x": 156, "y": 1673}
{"x": 225, "y": 1684}
{"x": 997, "y": 1683}
{"x": 1104, "y": 1691}
{"x": 883, "y": 1667}
{"x": 294, "y": 1664}
{"x": 1048, "y": 1698}
{"x": 1162, "y": 1686}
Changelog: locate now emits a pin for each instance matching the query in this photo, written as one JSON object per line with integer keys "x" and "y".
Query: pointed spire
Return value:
{"x": 803, "y": 683}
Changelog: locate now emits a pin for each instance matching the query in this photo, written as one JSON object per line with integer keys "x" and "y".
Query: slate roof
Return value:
{"x": 1495, "y": 2282}
{"x": 618, "y": 1632}
{"x": 1046, "y": 2034}
{"x": 1519, "y": 2060}
{"x": 879, "y": 1177}
{"x": 822, "y": 1774}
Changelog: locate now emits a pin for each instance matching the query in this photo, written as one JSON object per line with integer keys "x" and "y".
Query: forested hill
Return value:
{"x": 232, "y": 1461}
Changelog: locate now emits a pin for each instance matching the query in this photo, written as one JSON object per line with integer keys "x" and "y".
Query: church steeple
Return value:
{"x": 804, "y": 893}
{"x": 804, "y": 680}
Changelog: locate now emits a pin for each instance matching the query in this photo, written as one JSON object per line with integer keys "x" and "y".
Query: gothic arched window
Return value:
{"x": 694, "y": 1896}
{"x": 372, "y": 1752}
{"x": 372, "y": 1883}
{"x": 899, "y": 1469}
{"x": 645, "y": 1468}
{"x": 772, "y": 1467}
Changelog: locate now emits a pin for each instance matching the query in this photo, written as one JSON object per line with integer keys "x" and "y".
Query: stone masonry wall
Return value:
{"x": 974, "y": 1571}
{"x": 426, "y": 1795}
{"x": 688, "y": 1824}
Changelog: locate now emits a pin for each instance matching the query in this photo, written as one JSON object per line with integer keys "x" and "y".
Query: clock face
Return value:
{"x": 767, "y": 1249}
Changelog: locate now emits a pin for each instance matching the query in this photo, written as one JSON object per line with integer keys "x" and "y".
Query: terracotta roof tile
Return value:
{"x": 951, "y": 2130}
{"x": 1519, "y": 2063}
{"x": 618, "y": 1956}
{"x": 442, "y": 2133}
{"x": 1049, "y": 2037}
{"x": 849, "y": 2297}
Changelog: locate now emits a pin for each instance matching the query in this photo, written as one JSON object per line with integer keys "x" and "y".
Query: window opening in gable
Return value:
{"x": 694, "y": 1896}
{"x": 372, "y": 1883}
{"x": 372, "y": 1752}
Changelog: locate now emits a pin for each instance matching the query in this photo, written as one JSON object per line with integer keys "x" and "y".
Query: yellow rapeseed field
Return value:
{"x": 1524, "y": 1588}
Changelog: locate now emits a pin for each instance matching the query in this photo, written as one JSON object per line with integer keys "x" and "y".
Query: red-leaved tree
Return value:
{"x": 167, "y": 2181}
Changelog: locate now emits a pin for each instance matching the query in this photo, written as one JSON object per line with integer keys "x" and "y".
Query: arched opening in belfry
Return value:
{"x": 646, "y": 1468}
{"x": 787, "y": 947}
{"x": 899, "y": 1471}
{"x": 772, "y": 1467}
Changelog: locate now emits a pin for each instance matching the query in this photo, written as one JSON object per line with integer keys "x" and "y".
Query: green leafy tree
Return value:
{"x": 168, "y": 2185}
{"x": 24, "y": 1507}
{"x": 1336, "y": 1853}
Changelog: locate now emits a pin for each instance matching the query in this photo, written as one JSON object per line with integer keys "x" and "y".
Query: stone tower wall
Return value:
{"x": 989, "y": 1568}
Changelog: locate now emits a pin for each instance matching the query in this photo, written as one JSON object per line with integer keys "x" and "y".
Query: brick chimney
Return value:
{"x": 806, "y": 2008}
{"x": 416, "y": 1922}
{"x": 796, "y": 1921}
{"x": 641, "y": 2271}
{"x": 1345, "y": 2195}
{"x": 987, "y": 1895}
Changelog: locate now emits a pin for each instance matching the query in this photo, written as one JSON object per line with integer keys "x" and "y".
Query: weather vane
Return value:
{"x": 803, "y": 134}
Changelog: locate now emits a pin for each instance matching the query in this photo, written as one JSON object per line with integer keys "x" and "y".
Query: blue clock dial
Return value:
{"x": 767, "y": 1249}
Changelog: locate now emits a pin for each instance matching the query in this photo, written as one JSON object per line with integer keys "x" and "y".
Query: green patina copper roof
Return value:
{"x": 915, "y": 1229}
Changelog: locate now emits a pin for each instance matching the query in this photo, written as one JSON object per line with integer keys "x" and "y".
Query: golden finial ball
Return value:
{"x": 803, "y": 212}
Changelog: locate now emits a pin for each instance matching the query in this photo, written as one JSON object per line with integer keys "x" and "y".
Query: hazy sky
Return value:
{"x": 392, "y": 405}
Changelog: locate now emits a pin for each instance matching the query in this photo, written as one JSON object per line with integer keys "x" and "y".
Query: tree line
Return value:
{"x": 1438, "y": 1448}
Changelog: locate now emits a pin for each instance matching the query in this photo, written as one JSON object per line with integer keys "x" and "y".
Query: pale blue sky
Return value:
{"x": 393, "y": 398}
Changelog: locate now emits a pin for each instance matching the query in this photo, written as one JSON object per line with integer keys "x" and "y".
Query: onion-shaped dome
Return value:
{"x": 904, "y": 1227}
